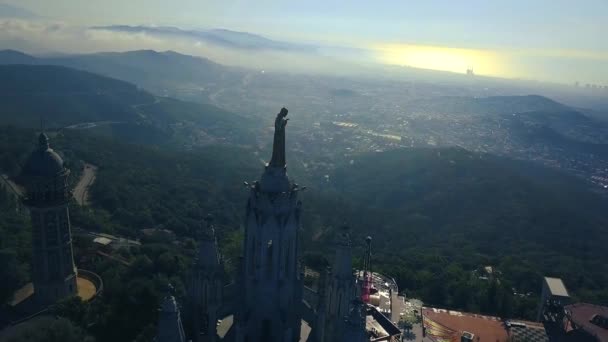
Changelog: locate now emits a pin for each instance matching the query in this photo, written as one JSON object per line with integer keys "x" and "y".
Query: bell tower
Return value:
{"x": 47, "y": 197}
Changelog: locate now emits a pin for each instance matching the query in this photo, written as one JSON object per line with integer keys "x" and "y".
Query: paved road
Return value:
{"x": 12, "y": 186}
{"x": 88, "y": 125}
{"x": 81, "y": 191}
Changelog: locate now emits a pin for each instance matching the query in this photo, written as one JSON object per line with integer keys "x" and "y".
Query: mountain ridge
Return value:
{"x": 223, "y": 37}
{"x": 67, "y": 97}
{"x": 152, "y": 70}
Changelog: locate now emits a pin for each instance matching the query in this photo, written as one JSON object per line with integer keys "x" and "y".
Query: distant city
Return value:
{"x": 341, "y": 118}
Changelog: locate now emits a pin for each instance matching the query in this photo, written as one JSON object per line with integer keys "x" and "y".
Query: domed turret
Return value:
{"x": 43, "y": 162}
{"x": 44, "y": 176}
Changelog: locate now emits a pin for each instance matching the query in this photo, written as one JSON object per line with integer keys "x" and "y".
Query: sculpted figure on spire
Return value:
{"x": 278, "y": 147}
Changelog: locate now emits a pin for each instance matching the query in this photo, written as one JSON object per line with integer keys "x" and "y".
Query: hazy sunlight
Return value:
{"x": 484, "y": 62}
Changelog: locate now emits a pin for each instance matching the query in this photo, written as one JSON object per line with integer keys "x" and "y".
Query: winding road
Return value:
{"x": 12, "y": 187}
{"x": 81, "y": 191}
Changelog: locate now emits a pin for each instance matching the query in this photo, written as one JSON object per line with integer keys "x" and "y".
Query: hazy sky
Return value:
{"x": 562, "y": 40}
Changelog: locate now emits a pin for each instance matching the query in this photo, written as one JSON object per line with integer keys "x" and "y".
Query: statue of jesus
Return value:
{"x": 278, "y": 146}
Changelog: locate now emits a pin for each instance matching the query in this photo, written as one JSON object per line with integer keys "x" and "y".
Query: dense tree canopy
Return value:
{"x": 437, "y": 217}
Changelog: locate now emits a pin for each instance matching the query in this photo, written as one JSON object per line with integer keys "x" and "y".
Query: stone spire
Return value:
{"x": 271, "y": 283}
{"x": 170, "y": 327}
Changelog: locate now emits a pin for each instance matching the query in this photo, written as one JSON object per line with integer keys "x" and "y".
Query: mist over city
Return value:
{"x": 316, "y": 171}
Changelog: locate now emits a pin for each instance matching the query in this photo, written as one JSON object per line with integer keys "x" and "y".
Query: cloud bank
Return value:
{"x": 252, "y": 51}
{"x": 222, "y": 46}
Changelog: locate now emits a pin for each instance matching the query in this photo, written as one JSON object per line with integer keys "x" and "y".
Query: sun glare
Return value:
{"x": 442, "y": 58}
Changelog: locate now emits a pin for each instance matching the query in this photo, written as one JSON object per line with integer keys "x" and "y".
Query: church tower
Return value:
{"x": 271, "y": 281}
{"x": 47, "y": 197}
{"x": 206, "y": 286}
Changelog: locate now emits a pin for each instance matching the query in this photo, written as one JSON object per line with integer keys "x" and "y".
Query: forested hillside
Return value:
{"x": 447, "y": 207}
{"x": 436, "y": 215}
{"x": 156, "y": 71}
{"x": 56, "y": 97}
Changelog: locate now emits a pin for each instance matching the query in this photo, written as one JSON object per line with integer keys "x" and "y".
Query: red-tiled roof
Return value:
{"x": 451, "y": 324}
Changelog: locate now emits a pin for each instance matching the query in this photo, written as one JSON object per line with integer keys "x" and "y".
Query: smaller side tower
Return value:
{"x": 340, "y": 287}
{"x": 170, "y": 327}
{"x": 46, "y": 180}
{"x": 206, "y": 285}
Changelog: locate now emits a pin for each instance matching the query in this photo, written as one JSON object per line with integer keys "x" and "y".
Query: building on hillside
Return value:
{"x": 565, "y": 321}
{"x": 554, "y": 296}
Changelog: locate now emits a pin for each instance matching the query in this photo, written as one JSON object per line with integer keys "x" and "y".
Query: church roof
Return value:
{"x": 43, "y": 162}
{"x": 451, "y": 325}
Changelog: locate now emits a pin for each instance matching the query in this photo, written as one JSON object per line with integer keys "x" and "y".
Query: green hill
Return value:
{"x": 155, "y": 71}
{"x": 148, "y": 68}
{"x": 472, "y": 208}
{"x": 435, "y": 214}
{"x": 64, "y": 97}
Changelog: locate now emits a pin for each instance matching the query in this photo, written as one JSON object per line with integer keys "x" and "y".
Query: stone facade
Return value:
{"x": 271, "y": 281}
